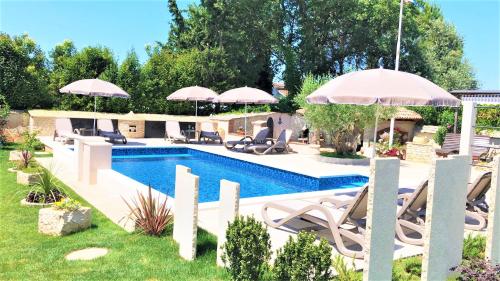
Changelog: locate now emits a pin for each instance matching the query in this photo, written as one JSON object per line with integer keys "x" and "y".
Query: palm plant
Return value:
{"x": 150, "y": 215}
{"x": 46, "y": 190}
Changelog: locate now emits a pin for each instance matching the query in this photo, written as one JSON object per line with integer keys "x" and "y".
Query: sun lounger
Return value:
{"x": 208, "y": 133}
{"x": 281, "y": 145}
{"x": 64, "y": 130}
{"x": 410, "y": 223}
{"x": 451, "y": 145}
{"x": 105, "y": 129}
{"x": 173, "y": 132}
{"x": 260, "y": 138}
{"x": 350, "y": 226}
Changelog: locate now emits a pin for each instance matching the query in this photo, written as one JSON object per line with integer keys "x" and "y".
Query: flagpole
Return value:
{"x": 398, "y": 48}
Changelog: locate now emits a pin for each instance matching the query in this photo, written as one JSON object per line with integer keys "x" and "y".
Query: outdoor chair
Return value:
{"x": 64, "y": 131}
{"x": 173, "y": 132}
{"x": 451, "y": 145}
{"x": 208, "y": 133}
{"x": 280, "y": 146}
{"x": 105, "y": 129}
{"x": 350, "y": 225}
{"x": 411, "y": 217}
{"x": 260, "y": 138}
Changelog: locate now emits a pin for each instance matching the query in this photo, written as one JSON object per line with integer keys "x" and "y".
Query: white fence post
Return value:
{"x": 445, "y": 216}
{"x": 96, "y": 155}
{"x": 186, "y": 212}
{"x": 229, "y": 204}
{"x": 493, "y": 230}
{"x": 468, "y": 127}
{"x": 381, "y": 218}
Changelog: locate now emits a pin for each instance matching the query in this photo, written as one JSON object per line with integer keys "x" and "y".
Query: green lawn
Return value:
{"x": 27, "y": 255}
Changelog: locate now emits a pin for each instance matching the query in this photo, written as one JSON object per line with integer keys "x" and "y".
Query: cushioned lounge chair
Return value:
{"x": 173, "y": 132}
{"x": 260, "y": 138}
{"x": 208, "y": 133}
{"x": 410, "y": 225}
{"x": 105, "y": 129}
{"x": 280, "y": 146}
{"x": 350, "y": 226}
{"x": 64, "y": 131}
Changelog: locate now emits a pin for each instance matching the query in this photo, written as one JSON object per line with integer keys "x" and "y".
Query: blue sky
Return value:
{"x": 126, "y": 24}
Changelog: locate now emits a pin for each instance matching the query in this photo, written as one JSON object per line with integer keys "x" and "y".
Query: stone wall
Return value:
{"x": 420, "y": 152}
{"x": 45, "y": 126}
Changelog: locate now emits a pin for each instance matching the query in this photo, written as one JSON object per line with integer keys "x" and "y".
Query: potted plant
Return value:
{"x": 27, "y": 170}
{"x": 64, "y": 217}
{"x": 45, "y": 191}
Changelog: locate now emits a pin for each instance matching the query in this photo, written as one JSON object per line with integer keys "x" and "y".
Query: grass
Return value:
{"x": 27, "y": 255}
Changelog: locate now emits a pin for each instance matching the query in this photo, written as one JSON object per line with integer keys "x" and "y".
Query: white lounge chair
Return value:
{"x": 64, "y": 131}
{"x": 173, "y": 132}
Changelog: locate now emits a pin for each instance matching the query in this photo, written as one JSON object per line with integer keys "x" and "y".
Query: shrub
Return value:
{"x": 247, "y": 249}
{"x": 46, "y": 190}
{"x": 343, "y": 272}
{"x": 440, "y": 135}
{"x": 4, "y": 114}
{"x": 67, "y": 204}
{"x": 478, "y": 269}
{"x": 301, "y": 259}
{"x": 407, "y": 269}
{"x": 150, "y": 215}
{"x": 474, "y": 247}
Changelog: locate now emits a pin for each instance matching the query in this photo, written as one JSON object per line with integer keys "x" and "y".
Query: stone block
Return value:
{"x": 27, "y": 178}
{"x": 381, "y": 218}
{"x": 445, "y": 216}
{"x": 493, "y": 230}
{"x": 62, "y": 222}
{"x": 229, "y": 204}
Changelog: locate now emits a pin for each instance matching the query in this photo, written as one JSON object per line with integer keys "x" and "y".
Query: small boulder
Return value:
{"x": 62, "y": 222}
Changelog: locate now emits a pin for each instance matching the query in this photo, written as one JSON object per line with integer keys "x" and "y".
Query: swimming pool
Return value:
{"x": 156, "y": 167}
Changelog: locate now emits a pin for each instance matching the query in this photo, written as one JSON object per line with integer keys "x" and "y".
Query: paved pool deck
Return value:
{"x": 109, "y": 198}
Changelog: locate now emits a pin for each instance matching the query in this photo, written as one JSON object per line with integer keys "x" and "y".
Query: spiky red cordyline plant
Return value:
{"x": 150, "y": 215}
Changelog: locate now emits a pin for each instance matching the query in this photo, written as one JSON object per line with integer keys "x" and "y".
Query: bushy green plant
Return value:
{"x": 474, "y": 247}
{"x": 4, "y": 114}
{"x": 345, "y": 273}
{"x": 67, "y": 204}
{"x": 440, "y": 135}
{"x": 46, "y": 189}
{"x": 247, "y": 249}
{"x": 407, "y": 269}
{"x": 300, "y": 259}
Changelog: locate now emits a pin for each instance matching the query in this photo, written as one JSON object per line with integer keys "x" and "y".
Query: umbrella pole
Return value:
{"x": 245, "y": 118}
{"x": 196, "y": 105}
{"x": 95, "y": 113}
{"x": 374, "y": 148}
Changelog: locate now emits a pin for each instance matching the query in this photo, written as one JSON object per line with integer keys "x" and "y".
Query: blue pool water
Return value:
{"x": 156, "y": 167}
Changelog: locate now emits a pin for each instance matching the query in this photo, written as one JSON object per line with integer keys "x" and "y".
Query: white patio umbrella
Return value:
{"x": 94, "y": 88}
{"x": 245, "y": 95}
{"x": 384, "y": 87}
{"x": 194, "y": 93}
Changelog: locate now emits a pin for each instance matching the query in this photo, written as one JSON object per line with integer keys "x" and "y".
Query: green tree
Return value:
{"x": 344, "y": 123}
{"x": 23, "y": 72}
{"x": 69, "y": 65}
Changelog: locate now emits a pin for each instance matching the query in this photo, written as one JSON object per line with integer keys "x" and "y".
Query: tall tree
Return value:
{"x": 23, "y": 72}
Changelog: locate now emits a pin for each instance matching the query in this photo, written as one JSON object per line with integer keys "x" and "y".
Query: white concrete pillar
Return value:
{"x": 186, "y": 214}
{"x": 381, "y": 218}
{"x": 78, "y": 160}
{"x": 391, "y": 132}
{"x": 96, "y": 155}
{"x": 468, "y": 127}
{"x": 229, "y": 204}
{"x": 445, "y": 216}
{"x": 493, "y": 230}
{"x": 180, "y": 171}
